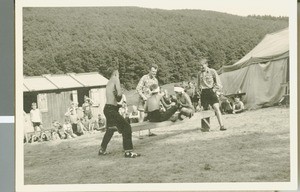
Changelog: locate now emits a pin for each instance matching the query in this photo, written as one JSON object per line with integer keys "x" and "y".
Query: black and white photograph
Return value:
{"x": 156, "y": 95}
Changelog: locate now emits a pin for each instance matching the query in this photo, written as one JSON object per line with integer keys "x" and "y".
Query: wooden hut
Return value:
{"x": 55, "y": 93}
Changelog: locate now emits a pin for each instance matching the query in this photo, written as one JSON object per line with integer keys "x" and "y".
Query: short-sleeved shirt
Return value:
{"x": 144, "y": 84}
{"x": 207, "y": 79}
{"x": 35, "y": 115}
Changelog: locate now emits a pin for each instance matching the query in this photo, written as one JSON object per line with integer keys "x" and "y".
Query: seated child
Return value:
{"x": 134, "y": 115}
{"x": 54, "y": 131}
{"x": 152, "y": 107}
{"x": 67, "y": 126}
{"x": 86, "y": 125}
{"x": 45, "y": 136}
{"x": 225, "y": 106}
{"x": 184, "y": 103}
{"x": 238, "y": 105}
{"x": 82, "y": 125}
{"x": 101, "y": 122}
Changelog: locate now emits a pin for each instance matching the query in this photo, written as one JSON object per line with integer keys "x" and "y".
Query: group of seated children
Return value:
{"x": 227, "y": 107}
{"x": 77, "y": 123}
{"x": 130, "y": 117}
{"x": 161, "y": 107}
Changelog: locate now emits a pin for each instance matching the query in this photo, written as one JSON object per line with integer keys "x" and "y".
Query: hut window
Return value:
{"x": 74, "y": 96}
{"x": 95, "y": 96}
{"x": 42, "y": 102}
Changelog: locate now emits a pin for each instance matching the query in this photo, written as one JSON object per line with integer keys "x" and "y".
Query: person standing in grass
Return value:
{"x": 36, "y": 118}
{"x": 143, "y": 89}
{"x": 208, "y": 82}
{"x": 114, "y": 119}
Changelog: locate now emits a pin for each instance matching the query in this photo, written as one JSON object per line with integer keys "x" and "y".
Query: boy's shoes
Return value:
{"x": 222, "y": 128}
{"x": 131, "y": 155}
{"x": 102, "y": 152}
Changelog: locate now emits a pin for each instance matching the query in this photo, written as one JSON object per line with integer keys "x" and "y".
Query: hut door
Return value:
{"x": 80, "y": 94}
{"x": 29, "y": 98}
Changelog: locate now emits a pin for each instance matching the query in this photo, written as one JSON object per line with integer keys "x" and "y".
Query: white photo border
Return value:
{"x": 19, "y": 153}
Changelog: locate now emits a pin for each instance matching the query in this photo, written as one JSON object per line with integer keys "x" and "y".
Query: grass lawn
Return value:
{"x": 255, "y": 148}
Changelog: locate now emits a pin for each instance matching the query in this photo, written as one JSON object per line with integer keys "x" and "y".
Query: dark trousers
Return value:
{"x": 114, "y": 118}
{"x": 157, "y": 116}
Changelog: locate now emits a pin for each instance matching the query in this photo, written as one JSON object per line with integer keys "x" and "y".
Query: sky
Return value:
{"x": 236, "y": 7}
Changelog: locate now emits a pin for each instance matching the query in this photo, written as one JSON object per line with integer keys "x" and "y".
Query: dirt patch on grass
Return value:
{"x": 255, "y": 148}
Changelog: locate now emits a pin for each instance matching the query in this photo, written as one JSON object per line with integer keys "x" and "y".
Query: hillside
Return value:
{"x": 62, "y": 40}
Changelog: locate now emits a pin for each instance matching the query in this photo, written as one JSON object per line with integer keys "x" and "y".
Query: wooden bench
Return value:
{"x": 235, "y": 95}
{"x": 204, "y": 116}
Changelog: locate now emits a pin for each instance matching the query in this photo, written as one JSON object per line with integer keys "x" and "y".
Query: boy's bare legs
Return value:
{"x": 216, "y": 107}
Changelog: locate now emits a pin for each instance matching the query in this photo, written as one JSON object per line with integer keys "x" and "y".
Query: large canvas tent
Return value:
{"x": 261, "y": 73}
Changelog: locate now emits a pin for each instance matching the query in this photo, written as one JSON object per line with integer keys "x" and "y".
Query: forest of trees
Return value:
{"x": 64, "y": 40}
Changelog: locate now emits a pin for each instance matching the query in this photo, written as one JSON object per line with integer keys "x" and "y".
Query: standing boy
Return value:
{"x": 143, "y": 89}
{"x": 208, "y": 82}
{"x": 36, "y": 118}
{"x": 113, "y": 118}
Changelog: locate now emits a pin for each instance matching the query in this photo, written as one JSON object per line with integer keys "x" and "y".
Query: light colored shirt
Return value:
{"x": 35, "y": 115}
{"x": 208, "y": 79}
{"x": 238, "y": 105}
{"x": 143, "y": 87}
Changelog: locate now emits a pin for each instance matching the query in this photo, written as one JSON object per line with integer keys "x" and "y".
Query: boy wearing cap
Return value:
{"x": 153, "y": 106}
{"x": 208, "y": 82}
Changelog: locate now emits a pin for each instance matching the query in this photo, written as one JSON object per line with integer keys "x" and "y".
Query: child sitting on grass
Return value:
{"x": 67, "y": 126}
{"x": 134, "y": 115}
{"x": 54, "y": 131}
{"x": 238, "y": 106}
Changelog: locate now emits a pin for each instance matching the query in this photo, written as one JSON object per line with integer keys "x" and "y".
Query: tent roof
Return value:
{"x": 63, "y": 81}
{"x": 274, "y": 46}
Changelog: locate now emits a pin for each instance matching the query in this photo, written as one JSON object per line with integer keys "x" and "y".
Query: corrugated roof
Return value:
{"x": 91, "y": 79}
{"x": 63, "y": 81}
{"x": 38, "y": 83}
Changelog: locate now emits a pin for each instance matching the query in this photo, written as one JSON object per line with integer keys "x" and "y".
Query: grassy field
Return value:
{"x": 255, "y": 148}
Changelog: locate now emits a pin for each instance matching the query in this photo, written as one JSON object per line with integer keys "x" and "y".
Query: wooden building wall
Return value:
{"x": 53, "y": 106}
{"x": 58, "y": 103}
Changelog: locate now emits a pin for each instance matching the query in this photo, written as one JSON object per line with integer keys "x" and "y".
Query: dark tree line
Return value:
{"x": 63, "y": 40}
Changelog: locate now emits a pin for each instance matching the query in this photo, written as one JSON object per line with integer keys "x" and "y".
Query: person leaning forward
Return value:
{"x": 143, "y": 89}
{"x": 113, "y": 118}
{"x": 208, "y": 82}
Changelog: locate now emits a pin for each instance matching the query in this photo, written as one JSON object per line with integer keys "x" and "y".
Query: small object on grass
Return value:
{"x": 207, "y": 166}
